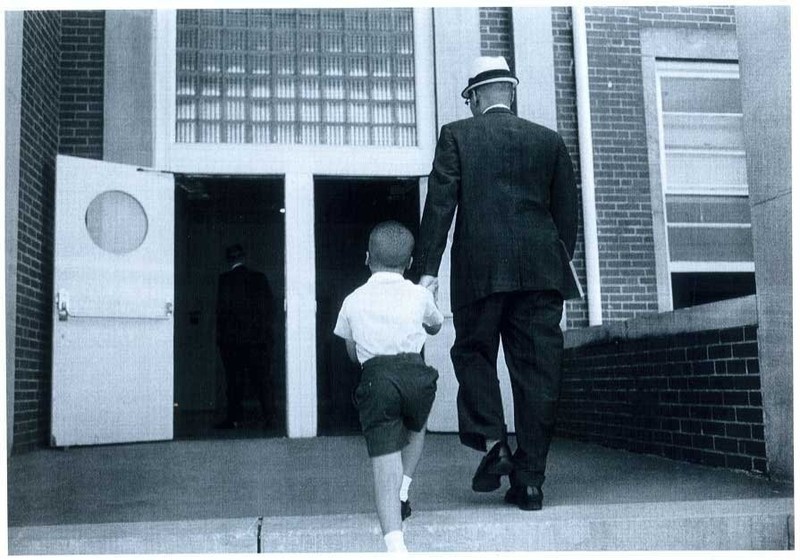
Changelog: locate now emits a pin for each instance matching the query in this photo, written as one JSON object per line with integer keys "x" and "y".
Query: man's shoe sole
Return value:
{"x": 491, "y": 481}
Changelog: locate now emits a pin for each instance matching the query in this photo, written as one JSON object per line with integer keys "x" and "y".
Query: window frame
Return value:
{"x": 665, "y": 68}
{"x": 690, "y": 45}
{"x": 281, "y": 159}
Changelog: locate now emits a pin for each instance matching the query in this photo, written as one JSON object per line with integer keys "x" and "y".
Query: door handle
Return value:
{"x": 62, "y": 304}
{"x": 168, "y": 309}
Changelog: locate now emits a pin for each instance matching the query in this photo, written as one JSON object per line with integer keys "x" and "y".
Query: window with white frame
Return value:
{"x": 704, "y": 178}
{"x": 323, "y": 76}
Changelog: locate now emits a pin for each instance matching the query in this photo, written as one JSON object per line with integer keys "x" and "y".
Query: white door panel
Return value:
{"x": 112, "y": 323}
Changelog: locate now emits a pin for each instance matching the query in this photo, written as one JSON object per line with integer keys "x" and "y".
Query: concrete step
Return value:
{"x": 168, "y": 537}
{"x": 764, "y": 524}
{"x": 709, "y": 525}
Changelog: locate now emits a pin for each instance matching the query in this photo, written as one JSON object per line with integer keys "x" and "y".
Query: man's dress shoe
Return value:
{"x": 528, "y": 498}
{"x": 496, "y": 463}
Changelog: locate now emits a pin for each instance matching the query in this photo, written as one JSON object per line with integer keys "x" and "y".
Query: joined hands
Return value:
{"x": 432, "y": 284}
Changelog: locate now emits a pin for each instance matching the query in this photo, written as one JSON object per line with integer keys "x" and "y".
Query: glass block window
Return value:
{"x": 704, "y": 180}
{"x": 326, "y": 76}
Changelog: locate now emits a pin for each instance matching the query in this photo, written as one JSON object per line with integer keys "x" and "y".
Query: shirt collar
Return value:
{"x": 385, "y": 276}
{"x": 496, "y": 106}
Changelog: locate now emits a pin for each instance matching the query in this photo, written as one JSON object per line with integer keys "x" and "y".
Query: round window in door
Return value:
{"x": 116, "y": 222}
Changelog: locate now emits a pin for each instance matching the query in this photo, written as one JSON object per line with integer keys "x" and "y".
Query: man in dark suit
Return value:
{"x": 245, "y": 309}
{"x": 513, "y": 184}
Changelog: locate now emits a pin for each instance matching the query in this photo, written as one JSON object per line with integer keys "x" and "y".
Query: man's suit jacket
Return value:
{"x": 513, "y": 183}
{"x": 245, "y": 308}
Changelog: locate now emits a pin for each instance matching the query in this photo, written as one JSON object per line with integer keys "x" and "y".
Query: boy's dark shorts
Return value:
{"x": 395, "y": 394}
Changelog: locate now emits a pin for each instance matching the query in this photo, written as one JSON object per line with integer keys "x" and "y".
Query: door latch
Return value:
{"x": 62, "y": 304}
{"x": 168, "y": 309}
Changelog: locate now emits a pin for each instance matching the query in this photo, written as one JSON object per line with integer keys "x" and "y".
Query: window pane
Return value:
{"x": 250, "y": 76}
{"x": 710, "y": 244}
{"x": 697, "y": 288}
{"x": 701, "y": 95}
{"x": 703, "y": 132}
{"x": 116, "y": 222}
{"x": 705, "y": 170}
{"x": 708, "y": 209}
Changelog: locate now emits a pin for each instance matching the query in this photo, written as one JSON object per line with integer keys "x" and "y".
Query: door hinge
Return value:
{"x": 62, "y": 304}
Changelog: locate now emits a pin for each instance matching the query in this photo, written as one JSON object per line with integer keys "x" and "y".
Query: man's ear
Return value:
{"x": 410, "y": 260}
{"x": 366, "y": 261}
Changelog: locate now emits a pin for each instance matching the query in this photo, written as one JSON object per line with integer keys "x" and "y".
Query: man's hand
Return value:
{"x": 431, "y": 283}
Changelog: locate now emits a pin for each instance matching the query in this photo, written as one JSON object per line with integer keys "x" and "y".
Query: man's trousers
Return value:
{"x": 528, "y": 324}
{"x": 243, "y": 363}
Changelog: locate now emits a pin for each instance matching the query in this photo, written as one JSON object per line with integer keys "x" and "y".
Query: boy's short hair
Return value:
{"x": 390, "y": 244}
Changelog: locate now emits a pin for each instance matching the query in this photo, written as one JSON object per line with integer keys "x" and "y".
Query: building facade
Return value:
{"x": 292, "y": 131}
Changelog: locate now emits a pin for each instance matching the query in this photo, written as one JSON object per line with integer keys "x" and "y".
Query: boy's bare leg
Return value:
{"x": 387, "y": 475}
{"x": 412, "y": 452}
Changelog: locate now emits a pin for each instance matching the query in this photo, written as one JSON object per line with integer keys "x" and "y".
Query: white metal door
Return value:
{"x": 113, "y": 290}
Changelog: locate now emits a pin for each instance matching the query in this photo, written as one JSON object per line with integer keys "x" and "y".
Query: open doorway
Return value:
{"x": 212, "y": 213}
{"x": 345, "y": 211}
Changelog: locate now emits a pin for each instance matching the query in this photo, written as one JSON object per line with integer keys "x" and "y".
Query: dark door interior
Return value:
{"x": 212, "y": 214}
{"x": 345, "y": 211}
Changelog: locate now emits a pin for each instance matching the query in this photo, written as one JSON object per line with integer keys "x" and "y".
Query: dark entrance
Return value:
{"x": 345, "y": 211}
{"x": 211, "y": 214}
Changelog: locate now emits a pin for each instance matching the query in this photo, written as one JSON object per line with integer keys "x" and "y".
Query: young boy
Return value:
{"x": 384, "y": 325}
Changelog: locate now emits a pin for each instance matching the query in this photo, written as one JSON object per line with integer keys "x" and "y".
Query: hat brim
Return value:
{"x": 510, "y": 79}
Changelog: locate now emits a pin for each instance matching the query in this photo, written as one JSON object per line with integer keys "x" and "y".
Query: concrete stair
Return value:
{"x": 762, "y": 524}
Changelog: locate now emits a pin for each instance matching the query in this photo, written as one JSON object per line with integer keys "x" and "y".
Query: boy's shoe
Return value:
{"x": 405, "y": 509}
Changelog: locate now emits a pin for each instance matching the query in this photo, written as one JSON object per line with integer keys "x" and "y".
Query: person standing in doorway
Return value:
{"x": 513, "y": 184}
{"x": 245, "y": 310}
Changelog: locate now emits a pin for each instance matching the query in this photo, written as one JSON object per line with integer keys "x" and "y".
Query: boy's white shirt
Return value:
{"x": 386, "y": 315}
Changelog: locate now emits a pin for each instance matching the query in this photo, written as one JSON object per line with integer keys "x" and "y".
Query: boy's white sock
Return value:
{"x": 395, "y": 542}
{"x": 404, "y": 488}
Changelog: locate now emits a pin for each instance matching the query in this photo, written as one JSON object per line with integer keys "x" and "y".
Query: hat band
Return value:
{"x": 490, "y": 76}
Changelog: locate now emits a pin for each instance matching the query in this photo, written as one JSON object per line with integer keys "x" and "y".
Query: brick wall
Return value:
{"x": 38, "y": 145}
{"x": 497, "y": 33}
{"x": 692, "y": 397}
{"x": 691, "y": 17}
{"x": 81, "y": 112}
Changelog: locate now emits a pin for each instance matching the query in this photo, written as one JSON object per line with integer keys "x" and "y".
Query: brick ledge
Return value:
{"x": 712, "y": 316}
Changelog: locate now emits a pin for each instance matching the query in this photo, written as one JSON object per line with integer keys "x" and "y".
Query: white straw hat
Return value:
{"x": 489, "y": 69}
